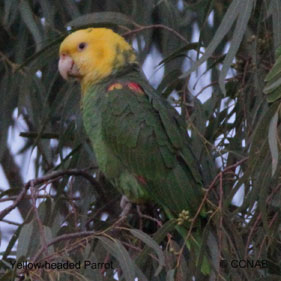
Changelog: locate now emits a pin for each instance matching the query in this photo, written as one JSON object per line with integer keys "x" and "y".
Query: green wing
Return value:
{"x": 149, "y": 138}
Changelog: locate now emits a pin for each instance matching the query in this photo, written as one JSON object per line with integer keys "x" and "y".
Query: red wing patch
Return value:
{"x": 141, "y": 180}
{"x": 135, "y": 87}
{"x": 114, "y": 86}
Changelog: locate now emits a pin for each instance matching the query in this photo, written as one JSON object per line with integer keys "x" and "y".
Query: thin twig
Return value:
{"x": 11, "y": 222}
{"x": 37, "y": 196}
{"x": 44, "y": 179}
{"x": 36, "y": 134}
{"x": 16, "y": 202}
{"x": 221, "y": 217}
{"x": 8, "y": 61}
{"x": 64, "y": 237}
{"x": 159, "y": 223}
{"x": 266, "y": 236}
{"x": 270, "y": 196}
{"x": 193, "y": 220}
{"x": 142, "y": 28}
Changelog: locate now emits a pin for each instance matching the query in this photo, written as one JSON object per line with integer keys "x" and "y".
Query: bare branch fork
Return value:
{"x": 45, "y": 179}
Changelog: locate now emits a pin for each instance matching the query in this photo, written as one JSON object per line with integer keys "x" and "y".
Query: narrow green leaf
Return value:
{"x": 158, "y": 237}
{"x": 170, "y": 275}
{"x": 7, "y": 276}
{"x": 265, "y": 181}
{"x": 25, "y": 238}
{"x": 180, "y": 52}
{"x": 48, "y": 11}
{"x": 272, "y": 140}
{"x": 272, "y": 277}
{"x": 274, "y": 95}
{"x": 276, "y": 22}
{"x": 29, "y": 20}
{"x": 225, "y": 26}
{"x": 210, "y": 66}
{"x": 258, "y": 136}
{"x": 276, "y": 69}
{"x": 49, "y": 237}
{"x": 88, "y": 272}
{"x": 121, "y": 255}
{"x": 10, "y": 7}
{"x": 272, "y": 86}
{"x": 11, "y": 192}
{"x": 245, "y": 11}
{"x": 278, "y": 52}
{"x": 140, "y": 274}
{"x": 258, "y": 151}
{"x": 45, "y": 53}
{"x": 71, "y": 7}
{"x": 12, "y": 242}
{"x": 152, "y": 244}
{"x": 111, "y": 18}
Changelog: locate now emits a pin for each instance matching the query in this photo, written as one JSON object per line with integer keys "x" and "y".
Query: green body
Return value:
{"x": 141, "y": 143}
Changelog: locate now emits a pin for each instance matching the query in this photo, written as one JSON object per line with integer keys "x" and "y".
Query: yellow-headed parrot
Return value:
{"x": 139, "y": 139}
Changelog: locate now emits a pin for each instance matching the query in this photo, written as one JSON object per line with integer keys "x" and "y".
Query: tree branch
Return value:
{"x": 13, "y": 175}
{"x": 45, "y": 179}
{"x": 142, "y": 28}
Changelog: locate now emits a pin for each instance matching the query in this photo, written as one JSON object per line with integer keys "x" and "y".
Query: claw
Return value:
{"x": 125, "y": 205}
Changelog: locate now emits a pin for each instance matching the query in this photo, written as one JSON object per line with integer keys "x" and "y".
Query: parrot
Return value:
{"x": 139, "y": 139}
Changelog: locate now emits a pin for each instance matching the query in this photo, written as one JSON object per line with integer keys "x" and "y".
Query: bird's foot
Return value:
{"x": 125, "y": 205}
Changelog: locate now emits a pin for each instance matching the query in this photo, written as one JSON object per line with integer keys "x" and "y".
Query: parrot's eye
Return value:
{"x": 82, "y": 46}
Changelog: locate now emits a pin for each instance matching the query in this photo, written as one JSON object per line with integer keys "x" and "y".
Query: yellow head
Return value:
{"x": 93, "y": 54}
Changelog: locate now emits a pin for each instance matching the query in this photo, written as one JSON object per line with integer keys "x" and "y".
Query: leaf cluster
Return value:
{"x": 215, "y": 81}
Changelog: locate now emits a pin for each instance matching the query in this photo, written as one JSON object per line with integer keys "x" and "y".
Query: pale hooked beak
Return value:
{"x": 67, "y": 67}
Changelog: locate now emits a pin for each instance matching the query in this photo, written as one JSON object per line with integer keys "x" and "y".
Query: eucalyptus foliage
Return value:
{"x": 70, "y": 212}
